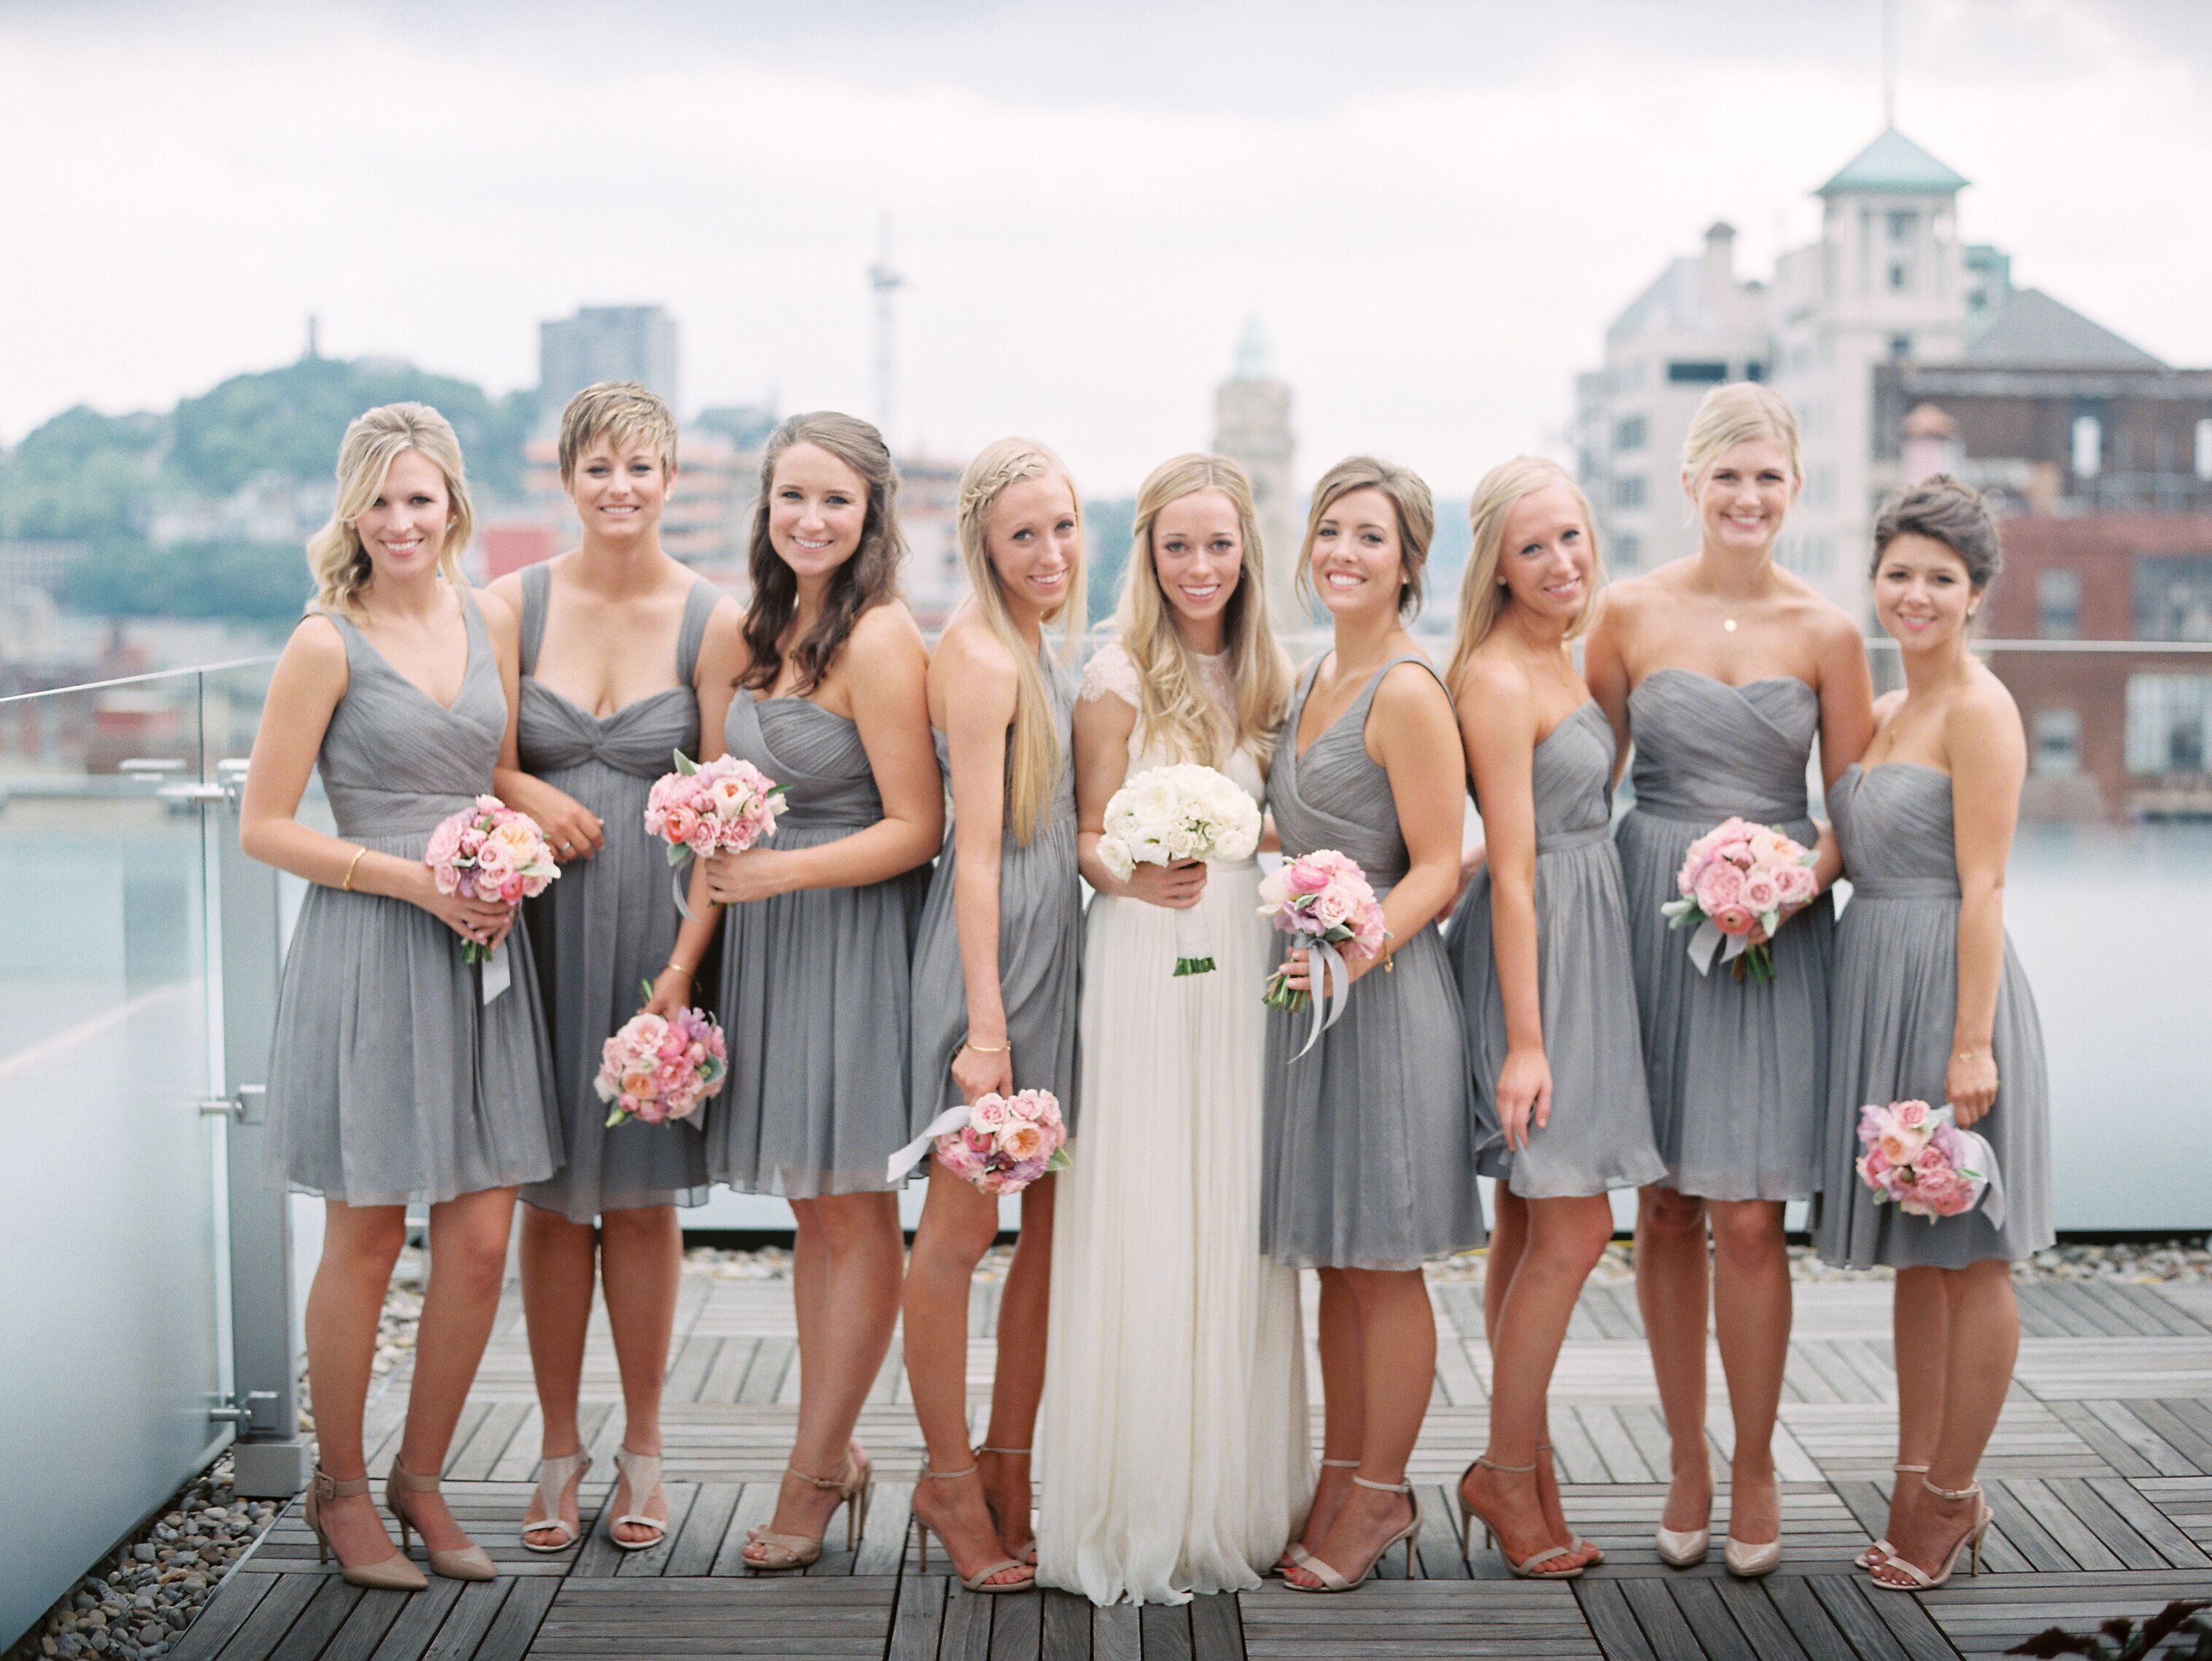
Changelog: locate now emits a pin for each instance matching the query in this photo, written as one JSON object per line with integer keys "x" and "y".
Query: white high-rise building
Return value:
{"x": 1252, "y": 428}
{"x": 604, "y": 342}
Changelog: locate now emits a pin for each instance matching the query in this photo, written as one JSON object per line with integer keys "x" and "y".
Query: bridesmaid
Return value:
{"x": 618, "y": 640}
{"x": 1930, "y": 1004}
{"x": 1725, "y": 668}
{"x": 1369, "y": 1161}
{"x": 995, "y": 982}
{"x": 1540, "y": 946}
{"x": 391, "y": 1079}
{"x": 815, "y": 997}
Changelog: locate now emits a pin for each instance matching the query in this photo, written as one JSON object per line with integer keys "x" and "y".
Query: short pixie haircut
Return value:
{"x": 1943, "y": 509}
{"x": 619, "y": 409}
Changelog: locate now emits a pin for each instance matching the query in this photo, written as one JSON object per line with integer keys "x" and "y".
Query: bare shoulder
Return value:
{"x": 1408, "y": 691}
{"x": 316, "y": 645}
{"x": 500, "y": 616}
{"x": 1984, "y": 709}
{"x": 886, "y": 626}
{"x": 1491, "y": 677}
{"x": 971, "y": 651}
{"x": 508, "y": 588}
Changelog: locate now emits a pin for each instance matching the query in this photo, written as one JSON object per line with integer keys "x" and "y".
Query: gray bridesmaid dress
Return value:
{"x": 1368, "y": 1147}
{"x": 1040, "y": 945}
{"x": 610, "y": 922}
{"x": 1895, "y": 1000}
{"x": 389, "y": 1078}
{"x": 1737, "y": 1070}
{"x": 815, "y": 997}
{"x": 1599, "y": 1136}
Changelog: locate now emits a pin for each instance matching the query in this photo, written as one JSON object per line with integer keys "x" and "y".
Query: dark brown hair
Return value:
{"x": 1943, "y": 509}
{"x": 868, "y": 578}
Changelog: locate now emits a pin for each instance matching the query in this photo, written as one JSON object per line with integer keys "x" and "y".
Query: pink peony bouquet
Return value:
{"x": 722, "y": 806}
{"x": 1321, "y": 900}
{"x": 1738, "y": 882}
{"x": 1007, "y": 1142}
{"x": 488, "y": 851}
{"x": 657, "y": 1069}
{"x": 1917, "y": 1156}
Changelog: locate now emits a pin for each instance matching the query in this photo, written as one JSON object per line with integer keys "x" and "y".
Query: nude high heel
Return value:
{"x": 470, "y": 1562}
{"x": 1030, "y": 1556}
{"x": 1918, "y": 1579}
{"x": 980, "y": 1581}
{"x": 640, "y": 1474}
{"x": 1527, "y": 1568}
{"x": 782, "y": 1553}
{"x": 1295, "y": 1555}
{"x": 393, "y": 1573}
{"x": 555, "y": 1474}
{"x": 1882, "y": 1549}
{"x": 1595, "y": 1554}
{"x": 1331, "y": 1580}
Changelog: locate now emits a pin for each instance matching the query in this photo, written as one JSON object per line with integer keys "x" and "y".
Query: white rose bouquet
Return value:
{"x": 1167, "y": 815}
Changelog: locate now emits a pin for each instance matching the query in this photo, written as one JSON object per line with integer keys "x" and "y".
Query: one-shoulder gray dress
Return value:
{"x": 814, "y": 996}
{"x": 1896, "y": 1000}
{"x": 1368, "y": 1145}
{"x": 389, "y": 1078}
{"x": 1599, "y": 1136}
{"x": 610, "y": 922}
{"x": 1738, "y": 1070}
{"x": 1040, "y": 946}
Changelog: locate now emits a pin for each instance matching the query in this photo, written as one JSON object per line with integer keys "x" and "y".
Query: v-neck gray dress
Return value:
{"x": 1896, "y": 1001}
{"x": 1599, "y": 1134}
{"x": 815, "y": 990}
{"x": 389, "y": 1078}
{"x": 609, "y": 922}
{"x": 1368, "y": 1153}
{"x": 1737, "y": 1070}
{"x": 1040, "y": 946}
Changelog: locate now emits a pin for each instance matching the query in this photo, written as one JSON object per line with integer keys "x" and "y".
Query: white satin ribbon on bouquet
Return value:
{"x": 1709, "y": 938}
{"x": 498, "y": 973}
{"x": 677, "y": 885}
{"x": 1329, "y": 1005}
{"x": 1982, "y": 1158}
{"x": 953, "y": 1118}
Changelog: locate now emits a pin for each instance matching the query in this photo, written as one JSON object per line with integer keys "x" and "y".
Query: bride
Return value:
{"x": 1174, "y": 1439}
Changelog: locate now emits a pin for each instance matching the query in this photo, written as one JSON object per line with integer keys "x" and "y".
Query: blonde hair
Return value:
{"x": 1735, "y": 414}
{"x": 1482, "y": 596}
{"x": 336, "y": 557}
{"x": 1417, "y": 520}
{"x": 621, "y": 410}
{"x": 1033, "y": 758}
{"x": 1172, "y": 704}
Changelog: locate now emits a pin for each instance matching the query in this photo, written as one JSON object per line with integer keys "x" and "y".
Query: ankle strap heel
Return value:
{"x": 470, "y": 1562}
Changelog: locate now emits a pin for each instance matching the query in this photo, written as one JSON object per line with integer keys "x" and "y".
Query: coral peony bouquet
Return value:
{"x": 1916, "y": 1156}
{"x": 488, "y": 851}
{"x": 721, "y": 807}
{"x": 658, "y": 1069}
{"x": 1167, "y": 815}
{"x": 1737, "y": 883}
{"x": 1000, "y": 1144}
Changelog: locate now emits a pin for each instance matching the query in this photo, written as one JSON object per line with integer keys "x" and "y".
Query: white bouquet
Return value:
{"x": 1167, "y": 815}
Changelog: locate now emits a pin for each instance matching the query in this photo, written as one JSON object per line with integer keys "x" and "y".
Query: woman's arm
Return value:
{"x": 978, "y": 680}
{"x": 1102, "y": 728}
{"x": 1605, "y": 667}
{"x": 1989, "y": 761}
{"x": 574, "y": 831}
{"x": 1497, "y": 727}
{"x": 714, "y": 680}
{"x": 1846, "y": 690}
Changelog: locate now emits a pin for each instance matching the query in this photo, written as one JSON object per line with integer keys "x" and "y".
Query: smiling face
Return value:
{"x": 1358, "y": 561}
{"x": 1198, "y": 555}
{"x": 1547, "y": 562}
{"x": 619, "y": 487}
{"x": 1920, "y": 592}
{"x": 1745, "y": 495}
{"x": 817, "y": 509}
{"x": 404, "y": 528}
{"x": 1033, "y": 538}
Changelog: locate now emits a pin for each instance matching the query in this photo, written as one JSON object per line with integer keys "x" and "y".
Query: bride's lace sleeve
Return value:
{"x": 1111, "y": 671}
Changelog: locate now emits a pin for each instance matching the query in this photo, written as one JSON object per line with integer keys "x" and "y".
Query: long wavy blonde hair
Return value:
{"x": 1034, "y": 758}
{"x": 375, "y": 439}
{"x": 1482, "y": 596}
{"x": 1172, "y": 702}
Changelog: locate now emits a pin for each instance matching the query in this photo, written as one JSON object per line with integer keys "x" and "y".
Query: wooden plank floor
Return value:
{"x": 2101, "y": 1474}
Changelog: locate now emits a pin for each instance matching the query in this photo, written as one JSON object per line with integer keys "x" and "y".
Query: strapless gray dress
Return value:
{"x": 1367, "y": 1146}
{"x": 1737, "y": 1070}
{"x": 389, "y": 1078}
{"x": 1896, "y": 999}
{"x": 1040, "y": 946}
{"x": 1600, "y": 1132}
{"x": 610, "y": 922}
{"x": 815, "y": 988}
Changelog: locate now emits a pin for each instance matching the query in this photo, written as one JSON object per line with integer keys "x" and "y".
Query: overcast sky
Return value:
{"x": 1435, "y": 209}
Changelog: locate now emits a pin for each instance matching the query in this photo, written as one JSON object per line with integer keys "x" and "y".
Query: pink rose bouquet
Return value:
{"x": 1738, "y": 882}
{"x": 1000, "y": 1144}
{"x": 1321, "y": 900}
{"x": 1916, "y": 1156}
{"x": 723, "y": 806}
{"x": 658, "y": 1069}
{"x": 488, "y": 851}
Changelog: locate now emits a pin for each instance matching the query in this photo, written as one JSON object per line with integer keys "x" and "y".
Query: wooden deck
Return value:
{"x": 2101, "y": 1474}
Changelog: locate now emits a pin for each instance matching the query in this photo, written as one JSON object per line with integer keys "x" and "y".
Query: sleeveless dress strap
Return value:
{"x": 698, "y": 607}
{"x": 537, "y": 584}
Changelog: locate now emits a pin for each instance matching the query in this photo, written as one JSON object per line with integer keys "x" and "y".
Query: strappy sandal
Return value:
{"x": 981, "y": 1580}
{"x": 1029, "y": 1553}
{"x": 1295, "y": 1555}
{"x": 1882, "y": 1549}
{"x": 1594, "y": 1552}
{"x": 1527, "y": 1568}
{"x": 1331, "y": 1580}
{"x": 393, "y": 1573}
{"x": 1918, "y": 1578}
{"x": 782, "y": 1553}
{"x": 640, "y": 1473}
{"x": 556, "y": 1474}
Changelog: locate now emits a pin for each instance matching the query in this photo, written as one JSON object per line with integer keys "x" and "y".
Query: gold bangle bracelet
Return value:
{"x": 346, "y": 887}
{"x": 986, "y": 1049}
{"x": 687, "y": 973}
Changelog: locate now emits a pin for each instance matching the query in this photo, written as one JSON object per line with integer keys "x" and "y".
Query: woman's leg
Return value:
{"x": 957, "y": 1227}
{"x": 1751, "y": 1304}
{"x": 848, "y": 1263}
{"x": 1920, "y": 1332}
{"x": 641, "y": 1263}
{"x": 468, "y": 1262}
{"x": 559, "y": 1259}
{"x": 1344, "y": 1419}
{"x": 1672, "y": 1291}
{"x": 1018, "y": 1380}
{"x": 360, "y": 1244}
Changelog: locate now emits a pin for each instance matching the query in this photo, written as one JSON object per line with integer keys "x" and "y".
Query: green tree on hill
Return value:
{"x": 82, "y": 477}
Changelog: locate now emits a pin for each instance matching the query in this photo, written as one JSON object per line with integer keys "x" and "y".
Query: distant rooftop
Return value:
{"x": 2030, "y": 330}
{"x": 1894, "y": 162}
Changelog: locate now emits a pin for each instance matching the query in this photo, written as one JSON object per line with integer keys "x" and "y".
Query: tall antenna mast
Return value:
{"x": 886, "y": 280}
{"x": 1888, "y": 64}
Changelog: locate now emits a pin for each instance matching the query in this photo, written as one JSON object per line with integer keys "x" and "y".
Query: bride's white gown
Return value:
{"x": 1172, "y": 1446}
